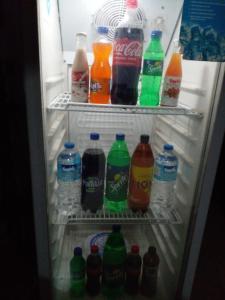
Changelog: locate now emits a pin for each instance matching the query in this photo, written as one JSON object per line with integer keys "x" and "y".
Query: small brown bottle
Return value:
{"x": 150, "y": 273}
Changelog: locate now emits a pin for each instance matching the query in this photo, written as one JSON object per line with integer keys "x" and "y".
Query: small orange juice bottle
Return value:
{"x": 172, "y": 80}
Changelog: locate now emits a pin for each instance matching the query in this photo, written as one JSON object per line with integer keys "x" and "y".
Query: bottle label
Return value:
{"x": 150, "y": 276}
{"x": 117, "y": 182}
{"x": 100, "y": 86}
{"x": 77, "y": 275}
{"x": 113, "y": 275}
{"x": 127, "y": 52}
{"x": 80, "y": 83}
{"x": 69, "y": 173}
{"x": 93, "y": 184}
{"x": 141, "y": 179}
{"x": 171, "y": 90}
{"x": 152, "y": 67}
{"x": 165, "y": 173}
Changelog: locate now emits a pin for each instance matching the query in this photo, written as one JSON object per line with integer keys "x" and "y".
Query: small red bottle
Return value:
{"x": 94, "y": 271}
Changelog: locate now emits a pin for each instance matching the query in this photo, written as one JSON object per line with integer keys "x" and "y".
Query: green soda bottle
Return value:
{"x": 77, "y": 274}
{"x": 114, "y": 257}
{"x": 152, "y": 71}
{"x": 117, "y": 176}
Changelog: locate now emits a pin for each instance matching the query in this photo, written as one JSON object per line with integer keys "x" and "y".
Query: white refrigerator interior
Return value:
{"x": 185, "y": 127}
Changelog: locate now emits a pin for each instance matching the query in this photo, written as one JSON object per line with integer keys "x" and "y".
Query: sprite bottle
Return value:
{"x": 114, "y": 257}
{"x": 77, "y": 274}
{"x": 152, "y": 71}
{"x": 118, "y": 164}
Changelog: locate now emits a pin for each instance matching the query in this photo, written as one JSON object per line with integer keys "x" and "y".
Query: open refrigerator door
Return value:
{"x": 186, "y": 127}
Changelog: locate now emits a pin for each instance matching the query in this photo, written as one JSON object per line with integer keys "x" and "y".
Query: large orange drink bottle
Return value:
{"x": 101, "y": 69}
{"x": 172, "y": 80}
{"x": 141, "y": 173}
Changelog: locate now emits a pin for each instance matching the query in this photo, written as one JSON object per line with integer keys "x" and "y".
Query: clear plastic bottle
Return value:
{"x": 69, "y": 179}
{"x": 80, "y": 70}
{"x": 165, "y": 174}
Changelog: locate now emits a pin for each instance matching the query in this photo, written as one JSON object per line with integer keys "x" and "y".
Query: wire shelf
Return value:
{"x": 63, "y": 102}
{"x": 127, "y": 217}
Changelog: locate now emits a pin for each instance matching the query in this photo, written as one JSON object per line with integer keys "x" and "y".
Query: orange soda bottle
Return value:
{"x": 101, "y": 69}
{"x": 172, "y": 80}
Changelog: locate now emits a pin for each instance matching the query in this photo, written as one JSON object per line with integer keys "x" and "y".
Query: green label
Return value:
{"x": 117, "y": 182}
{"x": 113, "y": 275}
{"x": 153, "y": 67}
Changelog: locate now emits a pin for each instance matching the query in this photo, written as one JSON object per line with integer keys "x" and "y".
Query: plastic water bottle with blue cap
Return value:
{"x": 69, "y": 179}
{"x": 165, "y": 174}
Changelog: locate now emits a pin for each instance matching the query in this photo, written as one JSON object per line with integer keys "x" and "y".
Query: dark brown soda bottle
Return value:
{"x": 94, "y": 271}
{"x": 141, "y": 173}
{"x": 150, "y": 273}
{"x": 133, "y": 270}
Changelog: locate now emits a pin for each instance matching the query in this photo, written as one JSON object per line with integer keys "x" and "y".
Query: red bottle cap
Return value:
{"x": 131, "y": 3}
{"x": 94, "y": 249}
{"x": 135, "y": 249}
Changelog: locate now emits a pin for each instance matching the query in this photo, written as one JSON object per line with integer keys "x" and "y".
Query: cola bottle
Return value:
{"x": 127, "y": 56}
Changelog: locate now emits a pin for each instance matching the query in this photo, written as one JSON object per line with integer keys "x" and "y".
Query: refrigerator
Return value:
{"x": 195, "y": 128}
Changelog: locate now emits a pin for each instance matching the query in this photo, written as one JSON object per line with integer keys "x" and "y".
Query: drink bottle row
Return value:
{"x": 117, "y": 182}
{"x": 116, "y": 272}
{"x": 127, "y": 51}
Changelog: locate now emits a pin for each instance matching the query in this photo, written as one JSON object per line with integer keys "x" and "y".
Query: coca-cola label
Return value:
{"x": 80, "y": 84}
{"x": 127, "y": 52}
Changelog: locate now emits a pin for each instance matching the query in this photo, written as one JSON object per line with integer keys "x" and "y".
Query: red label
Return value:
{"x": 127, "y": 52}
{"x": 80, "y": 83}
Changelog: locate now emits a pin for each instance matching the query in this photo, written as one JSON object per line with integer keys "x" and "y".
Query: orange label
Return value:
{"x": 100, "y": 86}
{"x": 140, "y": 185}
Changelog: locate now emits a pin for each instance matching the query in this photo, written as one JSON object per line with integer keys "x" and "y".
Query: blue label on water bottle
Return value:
{"x": 165, "y": 173}
{"x": 69, "y": 173}
{"x": 152, "y": 67}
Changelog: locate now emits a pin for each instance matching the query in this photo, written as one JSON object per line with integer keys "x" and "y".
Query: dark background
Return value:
{"x": 17, "y": 241}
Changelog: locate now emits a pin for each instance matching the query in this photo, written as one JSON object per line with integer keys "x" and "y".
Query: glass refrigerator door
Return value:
{"x": 185, "y": 127}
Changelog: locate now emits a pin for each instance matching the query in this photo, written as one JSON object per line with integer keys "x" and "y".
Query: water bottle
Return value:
{"x": 69, "y": 179}
{"x": 165, "y": 174}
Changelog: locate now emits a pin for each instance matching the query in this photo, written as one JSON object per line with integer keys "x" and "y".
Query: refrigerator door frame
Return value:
{"x": 32, "y": 87}
{"x": 208, "y": 169}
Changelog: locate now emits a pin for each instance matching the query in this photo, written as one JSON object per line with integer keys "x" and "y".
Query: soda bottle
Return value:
{"x": 133, "y": 270}
{"x": 118, "y": 165}
{"x": 127, "y": 56}
{"x": 114, "y": 256}
{"x": 101, "y": 69}
{"x": 94, "y": 271}
{"x": 165, "y": 174}
{"x": 69, "y": 179}
{"x": 80, "y": 70}
{"x": 152, "y": 71}
{"x": 141, "y": 173}
{"x": 172, "y": 80}
{"x": 77, "y": 274}
{"x": 93, "y": 175}
{"x": 150, "y": 273}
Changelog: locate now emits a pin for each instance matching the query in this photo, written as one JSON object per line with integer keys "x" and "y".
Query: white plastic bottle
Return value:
{"x": 80, "y": 70}
{"x": 165, "y": 174}
{"x": 69, "y": 179}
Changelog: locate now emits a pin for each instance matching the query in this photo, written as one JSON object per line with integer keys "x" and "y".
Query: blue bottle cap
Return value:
{"x": 69, "y": 145}
{"x": 116, "y": 228}
{"x": 168, "y": 147}
{"x": 103, "y": 30}
{"x": 120, "y": 136}
{"x": 94, "y": 136}
{"x": 77, "y": 251}
{"x": 156, "y": 33}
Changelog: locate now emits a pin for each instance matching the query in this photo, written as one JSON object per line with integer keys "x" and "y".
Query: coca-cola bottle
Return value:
{"x": 127, "y": 55}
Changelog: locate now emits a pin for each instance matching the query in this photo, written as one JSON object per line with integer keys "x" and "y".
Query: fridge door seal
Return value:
{"x": 208, "y": 170}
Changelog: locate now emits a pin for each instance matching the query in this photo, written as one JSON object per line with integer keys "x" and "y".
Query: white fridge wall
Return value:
{"x": 76, "y": 16}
